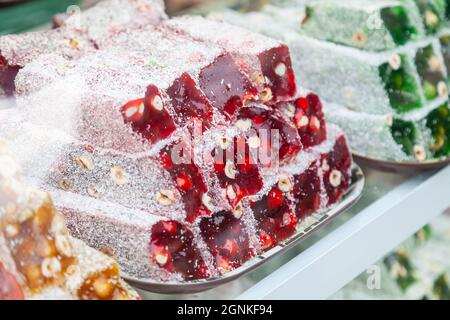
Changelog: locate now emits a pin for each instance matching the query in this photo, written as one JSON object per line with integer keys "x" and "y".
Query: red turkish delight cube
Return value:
{"x": 266, "y": 61}
{"x": 188, "y": 179}
{"x": 268, "y": 124}
{"x": 226, "y": 86}
{"x": 275, "y": 216}
{"x": 235, "y": 168}
{"x": 227, "y": 238}
{"x": 336, "y": 166}
{"x": 307, "y": 192}
{"x": 307, "y": 115}
{"x": 172, "y": 247}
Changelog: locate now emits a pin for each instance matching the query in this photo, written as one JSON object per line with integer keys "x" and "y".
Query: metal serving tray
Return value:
{"x": 402, "y": 167}
{"x": 304, "y": 230}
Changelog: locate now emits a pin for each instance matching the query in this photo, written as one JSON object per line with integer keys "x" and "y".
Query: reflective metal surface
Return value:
{"x": 397, "y": 166}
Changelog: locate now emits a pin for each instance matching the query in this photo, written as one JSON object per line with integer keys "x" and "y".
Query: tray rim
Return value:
{"x": 350, "y": 197}
{"x": 401, "y": 166}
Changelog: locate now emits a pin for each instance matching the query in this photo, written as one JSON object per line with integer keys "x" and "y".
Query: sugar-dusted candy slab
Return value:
{"x": 364, "y": 24}
{"x": 266, "y": 61}
{"x": 145, "y": 245}
{"x": 81, "y": 33}
{"x": 116, "y": 98}
{"x": 390, "y": 77}
{"x": 217, "y": 73}
{"x": 424, "y": 136}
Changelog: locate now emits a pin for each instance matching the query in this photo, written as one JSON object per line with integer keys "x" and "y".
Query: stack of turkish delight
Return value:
{"x": 38, "y": 258}
{"x": 185, "y": 149}
{"x": 381, "y": 65}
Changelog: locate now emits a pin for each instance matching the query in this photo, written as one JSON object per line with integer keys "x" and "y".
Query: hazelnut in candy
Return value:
{"x": 172, "y": 247}
{"x": 227, "y": 238}
{"x": 307, "y": 192}
{"x": 307, "y": 115}
{"x": 96, "y": 276}
{"x": 335, "y": 167}
{"x": 215, "y": 71}
{"x": 264, "y": 121}
{"x": 235, "y": 168}
{"x": 276, "y": 219}
{"x": 188, "y": 179}
{"x": 267, "y": 62}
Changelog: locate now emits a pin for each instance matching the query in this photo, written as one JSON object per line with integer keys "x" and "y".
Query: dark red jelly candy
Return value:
{"x": 237, "y": 170}
{"x": 173, "y": 248}
{"x": 276, "y": 220}
{"x": 269, "y": 124}
{"x": 9, "y": 288}
{"x": 336, "y": 170}
{"x": 188, "y": 180}
{"x": 227, "y": 240}
{"x": 276, "y": 66}
{"x": 189, "y": 102}
{"x": 149, "y": 117}
{"x": 7, "y": 76}
{"x": 307, "y": 192}
{"x": 307, "y": 115}
{"x": 226, "y": 86}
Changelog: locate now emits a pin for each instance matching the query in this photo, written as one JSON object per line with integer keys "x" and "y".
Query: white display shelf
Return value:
{"x": 392, "y": 208}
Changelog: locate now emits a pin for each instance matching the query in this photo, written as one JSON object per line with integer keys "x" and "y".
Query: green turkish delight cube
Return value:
{"x": 430, "y": 66}
{"x": 444, "y": 40}
{"x": 438, "y": 122}
{"x": 433, "y": 13}
{"x": 400, "y": 84}
{"x": 364, "y": 24}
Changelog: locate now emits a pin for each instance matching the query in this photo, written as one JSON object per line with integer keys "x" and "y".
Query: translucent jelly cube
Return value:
{"x": 431, "y": 72}
{"x": 400, "y": 85}
{"x": 276, "y": 221}
{"x": 336, "y": 167}
{"x": 9, "y": 287}
{"x": 226, "y": 87}
{"x": 236, "y": 169}
{"x": 307, "y": 115}
{"x": 266, "y": 61}
{"x": 408, "y": 136}
{"x": 307, "y": 192}
{"x": 7, "y": 75}
{"x": 438, "y": 121}
{"x": 172, "y": 248}
{"x": 189, "y": 181}
{"x": 265, "y": 122}
{"x": 227, "y": 239}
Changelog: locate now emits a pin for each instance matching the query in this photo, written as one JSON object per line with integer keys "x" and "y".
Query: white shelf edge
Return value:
{"x": 331, "y": 263}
